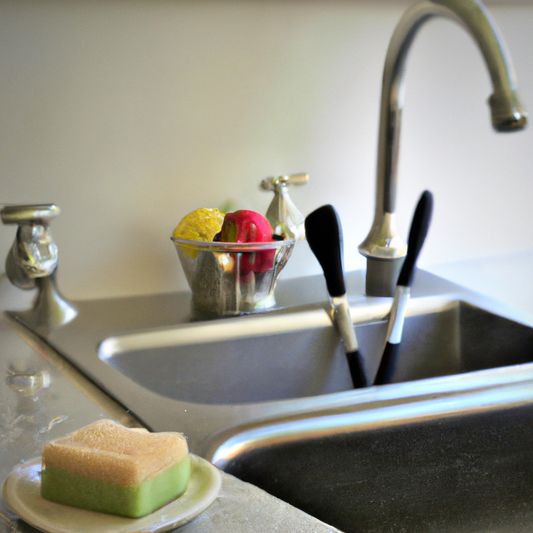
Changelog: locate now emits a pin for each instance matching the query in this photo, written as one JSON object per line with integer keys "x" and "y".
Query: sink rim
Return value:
{"x": 393, "y": 411}
{"x": 362, "y": 309}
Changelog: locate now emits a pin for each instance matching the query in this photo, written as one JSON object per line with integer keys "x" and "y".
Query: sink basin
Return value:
{"x": 240, "y": 362}
{"x": 466, "y": 472}
{"x": 456, "y": 338}
{"x": 207, "y": 378}
{"x": 231, "y": 368}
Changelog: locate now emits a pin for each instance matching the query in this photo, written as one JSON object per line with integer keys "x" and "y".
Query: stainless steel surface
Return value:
{"x": 32, "y": 263}
{"x": 397, "y": 314}
{"x": 465, "y": 470}
{"x": 381, "y": 275}
{"x": 282, "y": 214}
{"x": 244, "y": 363}
{"x": 34, "y": 253}
{"x": 205, "y": 378}
{"x": 340, "y": 309}
{"x": 383, "y": 242}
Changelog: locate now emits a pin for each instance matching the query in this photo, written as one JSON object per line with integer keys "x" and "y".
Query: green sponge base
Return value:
{"x": 104, "y": 497}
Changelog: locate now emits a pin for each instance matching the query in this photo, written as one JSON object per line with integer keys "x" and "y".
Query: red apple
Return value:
{"x": 249, "y": 226}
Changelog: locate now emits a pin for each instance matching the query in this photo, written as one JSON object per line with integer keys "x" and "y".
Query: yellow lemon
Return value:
{"x": 199, "y": 225}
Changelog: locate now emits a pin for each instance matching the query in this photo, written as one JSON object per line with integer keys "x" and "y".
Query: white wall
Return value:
{"x": 129, "y": 114}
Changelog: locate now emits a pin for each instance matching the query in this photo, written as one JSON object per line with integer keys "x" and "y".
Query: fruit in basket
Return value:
{"x": 246, "y": 226}
{"x": 200, "y": 225}
{"x": 249, "y": 227}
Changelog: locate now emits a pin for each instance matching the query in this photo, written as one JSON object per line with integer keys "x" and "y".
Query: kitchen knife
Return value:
{"x": 324, "y": 234}
{"x": 417, "y": 236}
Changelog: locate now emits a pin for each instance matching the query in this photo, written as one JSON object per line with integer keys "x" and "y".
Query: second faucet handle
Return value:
{"x": 282, "y": 214}
{"x": 270, "y": 184}
{"x": 29, "y": 214}
{"x": 34, "y": 253}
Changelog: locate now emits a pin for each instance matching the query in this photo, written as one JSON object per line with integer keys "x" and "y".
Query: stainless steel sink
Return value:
{"x": 465, "y": 468}
{"x": 235, "y": 362}
{"x": 238, "y": 370}
{"x": 458, "y": 337}
{"x": 208, "y": 378}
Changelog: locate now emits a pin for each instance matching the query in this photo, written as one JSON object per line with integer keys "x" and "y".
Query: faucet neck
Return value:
{"x": 382, "y": 243}
{"x": 471, "y": 15}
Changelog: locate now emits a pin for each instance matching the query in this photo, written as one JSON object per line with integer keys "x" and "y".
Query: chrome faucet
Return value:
{"x": 384, "y": 249}
{"x": 32, "y": 263}
{"x": 282, "y": 214}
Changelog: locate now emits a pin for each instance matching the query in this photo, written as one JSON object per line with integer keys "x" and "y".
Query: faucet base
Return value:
{"x": 382, "y": 275}
{"x": 50, "y": 310}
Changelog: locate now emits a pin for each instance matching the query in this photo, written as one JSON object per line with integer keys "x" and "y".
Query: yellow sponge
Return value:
{"x": 108, "y": 468}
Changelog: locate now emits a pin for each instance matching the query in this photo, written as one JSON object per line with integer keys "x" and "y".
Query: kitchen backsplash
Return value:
{"x": 128, "y": 115}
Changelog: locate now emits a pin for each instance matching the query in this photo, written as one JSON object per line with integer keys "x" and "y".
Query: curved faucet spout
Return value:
{"x": 383, "y": 247}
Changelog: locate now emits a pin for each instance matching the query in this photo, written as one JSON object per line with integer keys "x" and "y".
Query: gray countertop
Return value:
{"x": 41, "y": 401}
{"x": 506, "y": 278}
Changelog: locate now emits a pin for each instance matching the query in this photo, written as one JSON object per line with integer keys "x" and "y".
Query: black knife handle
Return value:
{"x": 417, "y": 236}
{"x": 323, "y": 232}
{"x": 388, "y": 364}
{"x": 357, "y": 370}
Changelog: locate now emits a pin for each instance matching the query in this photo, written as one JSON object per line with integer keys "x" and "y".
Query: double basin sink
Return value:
{"x": 446, "y": 447}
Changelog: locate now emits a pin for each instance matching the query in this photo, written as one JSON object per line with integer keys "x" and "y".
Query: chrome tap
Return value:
{"x": 282, "y": 214}
{"x": 384, "y": 249}
{"x": 32, "y": 263}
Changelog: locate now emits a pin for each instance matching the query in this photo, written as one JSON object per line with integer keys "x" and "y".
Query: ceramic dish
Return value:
{"x": 22, "y": 492}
